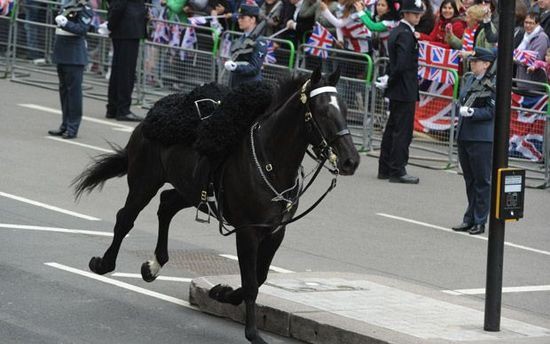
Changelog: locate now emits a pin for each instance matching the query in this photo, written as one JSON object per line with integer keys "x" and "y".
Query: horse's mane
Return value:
{"x": 285, "y": 87}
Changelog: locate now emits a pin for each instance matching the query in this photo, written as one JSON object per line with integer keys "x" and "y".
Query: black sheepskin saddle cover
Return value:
{"x": 174, "y": 119}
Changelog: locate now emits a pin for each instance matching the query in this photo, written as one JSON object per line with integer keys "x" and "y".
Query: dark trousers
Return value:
{"x": 70, "y": 94}
{"x": 123, "y": 71}
{"x": 394, "y": 151}
{"x": 475, "y": 159}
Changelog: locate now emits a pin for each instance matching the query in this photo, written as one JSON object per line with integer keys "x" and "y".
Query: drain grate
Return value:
{"x": 202, "y": 262}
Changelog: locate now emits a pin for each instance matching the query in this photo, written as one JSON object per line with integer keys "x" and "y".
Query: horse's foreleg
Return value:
{"x": 135, "y": 202}
{"x": 247, "y": 251}
{"x": 269, "y": 245}
{"x": 171, "y": 202}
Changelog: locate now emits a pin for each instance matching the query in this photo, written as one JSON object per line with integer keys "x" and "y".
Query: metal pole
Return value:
{"x": 495, "y": 252}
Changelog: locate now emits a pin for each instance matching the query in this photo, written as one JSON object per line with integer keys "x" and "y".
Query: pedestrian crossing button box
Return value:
{"x": 511, "y": 193}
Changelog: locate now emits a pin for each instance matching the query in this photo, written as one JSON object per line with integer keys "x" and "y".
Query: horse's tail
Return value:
{"x": 105, "y": 166}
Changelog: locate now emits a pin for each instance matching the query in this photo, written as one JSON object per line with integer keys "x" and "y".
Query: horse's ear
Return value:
{"x": 334, "y": 77}
{"x": 316, "y": 76}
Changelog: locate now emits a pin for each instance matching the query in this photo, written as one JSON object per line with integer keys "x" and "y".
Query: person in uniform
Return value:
{"x": 248, "y": 52}
{"x": 402, "y": 91}
{"x": 70, "y": 55}
{"x": 475, "y": 139}
{"x": 126, "y": 23}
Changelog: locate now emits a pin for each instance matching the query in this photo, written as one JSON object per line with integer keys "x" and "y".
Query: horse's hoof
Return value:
{"x": 146, "y": 273}
{"x": 219, "y": 292}
{"x": 258, "y": 340}
{"x": 96, "y": 265}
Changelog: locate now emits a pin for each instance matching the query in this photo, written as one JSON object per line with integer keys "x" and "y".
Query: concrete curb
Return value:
{"x": 297, "y": 319}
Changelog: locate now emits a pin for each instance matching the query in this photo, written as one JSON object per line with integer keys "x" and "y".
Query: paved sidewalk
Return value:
{"x": 348, "y": 308}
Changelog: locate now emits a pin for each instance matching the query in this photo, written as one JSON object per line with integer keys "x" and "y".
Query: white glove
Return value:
{"x": 466, "y": 111}
{"x": 230, "y": 65}
{"x": 61, "y": 20}
{"x": 382, "y": 82}
{"x": 103, "y": 29}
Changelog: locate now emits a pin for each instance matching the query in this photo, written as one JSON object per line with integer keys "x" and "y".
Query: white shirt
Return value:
{"x": 297, "y": 10}
{"x": 409, "y": 24}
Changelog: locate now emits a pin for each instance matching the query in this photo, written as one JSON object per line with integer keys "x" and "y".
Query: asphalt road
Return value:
{"x": 364, "y": 225}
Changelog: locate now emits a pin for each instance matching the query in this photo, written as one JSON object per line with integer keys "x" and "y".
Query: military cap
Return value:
{"x": 483, "y": 54}
{"x": 249, "y": 10}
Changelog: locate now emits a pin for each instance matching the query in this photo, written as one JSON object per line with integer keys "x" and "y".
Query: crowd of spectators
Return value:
{"x": 359, "y": 26}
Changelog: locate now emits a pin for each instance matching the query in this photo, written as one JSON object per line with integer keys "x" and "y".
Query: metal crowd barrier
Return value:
{"x": 26, "y": 46}
{"x": 353, "y": 87}
{"x": 435, "y": 117}
{"x": 166, "y": 68}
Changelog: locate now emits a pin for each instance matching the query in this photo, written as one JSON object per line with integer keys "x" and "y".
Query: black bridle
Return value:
{"x": 322, "y": 152}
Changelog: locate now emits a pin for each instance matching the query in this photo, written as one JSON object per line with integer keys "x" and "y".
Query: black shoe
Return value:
{"x": 477, "y": 229}
{"x": 110, "y": 115}
{"x": 68, "y": 136}
{"x": 382, "y": 176}
{"x": 56, "y": 132}
{"x": 129, "y": 117}
{"x": 463, "y": 227}
{"x": 405, "y": 179}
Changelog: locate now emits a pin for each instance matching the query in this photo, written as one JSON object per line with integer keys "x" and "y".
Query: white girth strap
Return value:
{"x": 323, "y": 89}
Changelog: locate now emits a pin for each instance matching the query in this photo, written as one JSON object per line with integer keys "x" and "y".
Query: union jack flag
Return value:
{"x": 527, "y": 128}
{"x": 526, "y": 57}
{"x": 439, "y": 61}
{"x": 188, "y": 41}
{"x": 320, "y": 40}
{"x": 270, "y": 56}
{"x": 433, "y": 111}
{"x": 6, "y": 7}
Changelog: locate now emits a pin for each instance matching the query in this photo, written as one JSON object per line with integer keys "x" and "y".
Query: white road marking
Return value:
{"x": 507, "y": 243}
{"x": 124, "y": 285}
{"x": 72, "y": 142}
{"x": 159, "y": 278}
{"x": 481, "y": 291}
{"x": 118, "y": 126}
{"x": 54, "y": 229}
{"x": 49, "y": 207}
{"x": 272, "y": 268}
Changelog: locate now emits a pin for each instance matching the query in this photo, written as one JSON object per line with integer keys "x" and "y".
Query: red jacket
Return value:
{"x": 437, "y": 36}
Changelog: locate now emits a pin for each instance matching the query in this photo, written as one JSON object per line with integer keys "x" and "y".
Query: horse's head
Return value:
{"x": 326, "y": 125}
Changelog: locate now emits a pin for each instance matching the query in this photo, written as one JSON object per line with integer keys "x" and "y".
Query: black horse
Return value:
{"x": 267, "y": 161}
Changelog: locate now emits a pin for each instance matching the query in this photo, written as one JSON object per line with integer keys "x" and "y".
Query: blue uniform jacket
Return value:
{"x": 249, "y": 56}
{"x": 480, "y": 126}
{"x": 70, "y": 45}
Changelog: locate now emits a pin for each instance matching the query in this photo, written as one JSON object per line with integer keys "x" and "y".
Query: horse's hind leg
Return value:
{"x": 138, "y": 197}
{"x": 171, "y": 201}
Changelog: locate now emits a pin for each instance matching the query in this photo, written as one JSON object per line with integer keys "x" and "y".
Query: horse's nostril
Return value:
{"x": 350, "y": 165}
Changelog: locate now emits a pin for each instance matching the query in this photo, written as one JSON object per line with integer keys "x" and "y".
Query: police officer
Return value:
{"x": 70, "y": 55}
{"x": 403, "y": 94}
{"x": 248, "y": 52}
{"x": 126, "y": 22}
{"x": 475, "y": 139}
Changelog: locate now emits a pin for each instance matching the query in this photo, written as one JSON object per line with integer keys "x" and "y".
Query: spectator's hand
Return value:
{"x": 291, "y": 25}
{"x": 382, "y": 82}
{"x": 219, "y": 9}
{"x": 449, "y": 28}
{"x": 487, "y": 14}
{"x": 359, "y": 6}
{"x": 230, "y": 65}
{"x": 466, "y": 111}
{"x": 531, "y": 69}
{"x": 417, "y": 35}
{"x": 339, "y": 44}
{"x": 103, "y": 29}
{"x": 323, "y": 6}
{"x": 61, "y": 20}
{"x": 464, "y": 54}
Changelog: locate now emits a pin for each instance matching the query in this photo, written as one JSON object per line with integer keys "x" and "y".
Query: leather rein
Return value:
{"x": 322, "y": 152}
